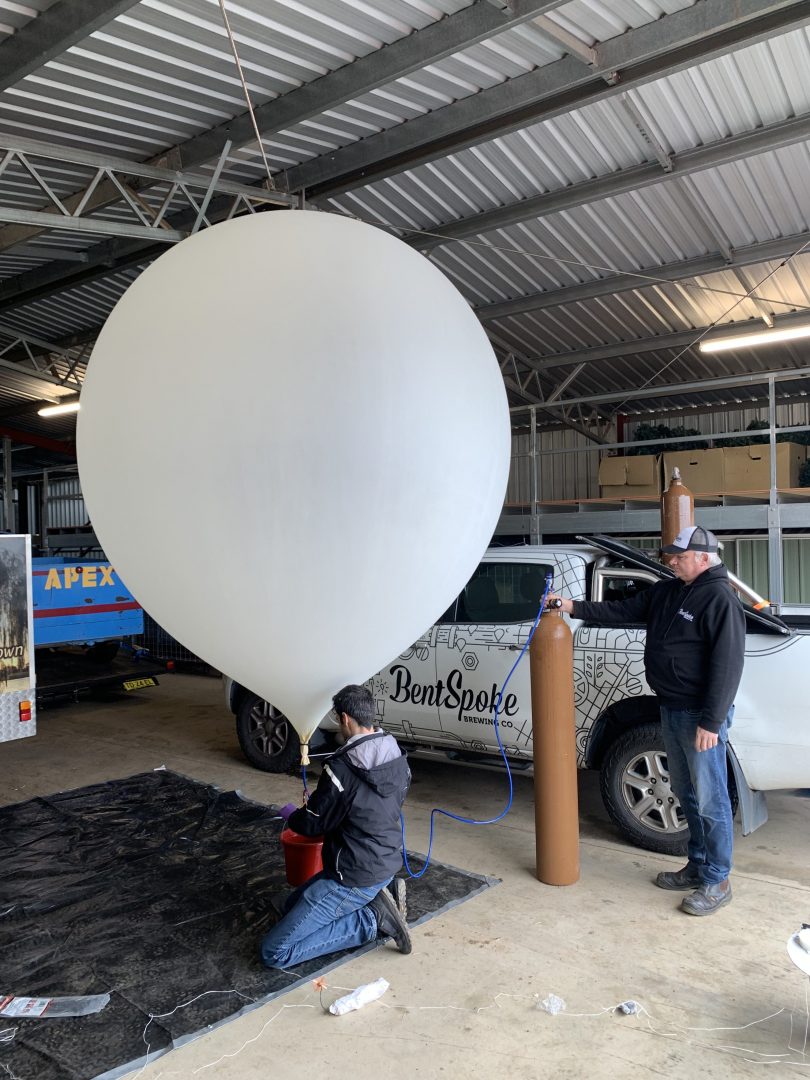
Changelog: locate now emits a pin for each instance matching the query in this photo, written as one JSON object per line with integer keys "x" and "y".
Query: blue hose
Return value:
{"x": 508, "y": 807}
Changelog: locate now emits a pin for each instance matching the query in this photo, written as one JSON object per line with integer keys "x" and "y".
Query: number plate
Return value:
{"x": 136, "y": 684}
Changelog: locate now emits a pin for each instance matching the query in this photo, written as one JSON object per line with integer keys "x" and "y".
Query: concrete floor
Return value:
{"x": 466, "y": 999}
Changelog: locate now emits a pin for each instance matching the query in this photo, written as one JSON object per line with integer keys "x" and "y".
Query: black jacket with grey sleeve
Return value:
{"x": 695, "y": 643}
{"x": 356, "y": 807}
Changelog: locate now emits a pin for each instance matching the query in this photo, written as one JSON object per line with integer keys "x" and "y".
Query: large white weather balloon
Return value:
{"x": 294, "y": 445}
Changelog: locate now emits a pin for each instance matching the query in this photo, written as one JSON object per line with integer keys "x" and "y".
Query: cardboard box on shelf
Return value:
{"x": 702, "y": 471}
{"x": 630, "y": 477}
{"x": 748, "y": 468}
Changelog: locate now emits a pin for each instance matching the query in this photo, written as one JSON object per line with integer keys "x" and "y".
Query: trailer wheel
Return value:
{"x": 267, "y": 737}
{"x": 635, "y": 790}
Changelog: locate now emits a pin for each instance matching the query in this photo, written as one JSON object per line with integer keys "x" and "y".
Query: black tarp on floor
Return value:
{"x": 153, "y": 889}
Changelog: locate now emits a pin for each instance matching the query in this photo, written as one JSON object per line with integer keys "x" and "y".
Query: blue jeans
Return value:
{"x": 322, "y": 916}
{"x": 700, "y": 781}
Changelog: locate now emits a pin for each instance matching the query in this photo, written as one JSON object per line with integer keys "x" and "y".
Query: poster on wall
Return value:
{"x": 17, "y": 682}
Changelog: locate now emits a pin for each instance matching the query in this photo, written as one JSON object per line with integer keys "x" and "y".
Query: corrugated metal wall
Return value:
{"x": 747, "y": 557}
{"x": 66, "y": 508}
{"x": 560, "y": 475}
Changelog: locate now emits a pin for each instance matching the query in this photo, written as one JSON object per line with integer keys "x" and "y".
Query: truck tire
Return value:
{"x": 268, "y": 739}
{"x": 635, "y": 790}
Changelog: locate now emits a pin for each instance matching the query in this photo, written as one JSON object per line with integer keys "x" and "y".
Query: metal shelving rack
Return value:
{"x": 767, "y": 512}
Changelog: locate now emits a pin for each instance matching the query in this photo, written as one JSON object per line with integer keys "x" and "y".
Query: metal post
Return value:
{"x": 534, "y": 532}
{"x": 775, "y": 580}
{"x": 8, "y": 488}
{"x": 43, "y": 514}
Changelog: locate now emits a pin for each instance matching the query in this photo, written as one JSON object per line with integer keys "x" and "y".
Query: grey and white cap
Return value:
{"x": 692, "y": 538}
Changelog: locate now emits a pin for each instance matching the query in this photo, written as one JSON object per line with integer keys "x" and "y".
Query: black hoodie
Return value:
{"x": 695, "y": 640}
{"x": 356, "y": 807}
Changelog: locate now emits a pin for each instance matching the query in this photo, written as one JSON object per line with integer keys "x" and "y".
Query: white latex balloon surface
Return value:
{"x": 294, "y": 444}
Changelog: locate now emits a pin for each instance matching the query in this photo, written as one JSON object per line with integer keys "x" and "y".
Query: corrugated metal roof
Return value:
{"x": 654, "y": 310}
{"x": 14, "y": 14}
{"x": 163, "y": 72}
{"x": 74, "y": 310}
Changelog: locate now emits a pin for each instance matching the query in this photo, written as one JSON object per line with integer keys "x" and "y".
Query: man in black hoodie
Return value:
{"x": 693, "y": 658}
{"x": 356, "y": 808}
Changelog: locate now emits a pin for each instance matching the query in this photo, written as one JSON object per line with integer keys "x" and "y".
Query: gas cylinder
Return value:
{"x": 677, "y": 509}
{"x": 556, "y": 809}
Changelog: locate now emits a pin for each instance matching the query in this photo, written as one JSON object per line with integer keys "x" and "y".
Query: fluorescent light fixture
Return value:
{"x": 59, "y": 410}
{"x": 751, "y": 341}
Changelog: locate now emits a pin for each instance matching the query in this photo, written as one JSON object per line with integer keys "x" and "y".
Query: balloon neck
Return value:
{"x": 305, "y": 753}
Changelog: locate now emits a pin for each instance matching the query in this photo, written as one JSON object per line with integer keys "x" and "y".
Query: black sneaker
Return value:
{"x": 397, "y": 888}
{"x": 390, "y": 923}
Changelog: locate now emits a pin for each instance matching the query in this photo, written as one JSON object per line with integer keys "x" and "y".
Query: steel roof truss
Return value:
{"x": 673, "y": 42}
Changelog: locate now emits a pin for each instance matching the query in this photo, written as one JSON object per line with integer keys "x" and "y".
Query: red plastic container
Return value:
{"x": 302, "y": 856}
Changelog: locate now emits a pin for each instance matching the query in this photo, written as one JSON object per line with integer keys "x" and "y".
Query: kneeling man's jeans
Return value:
{"x": 700, "y": 781}
{"x": 321, "y": 917}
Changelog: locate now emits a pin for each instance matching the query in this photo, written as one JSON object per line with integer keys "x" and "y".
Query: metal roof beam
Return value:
{"x": 635, "y": 393}
{"x": 51, "y": 33}
{"x": 435, "y": 42}
{"x": 626, "y": 281}
{"x": 42, "y": 220}
{"x": 103, "y": 258}
{"x": 709, "y": 156}
{"x": 24, "y": 225}
{"x": 707, "y": 29}
{"x": 381, "y": 67}
{"x": 27, "y": 438}
{"x": 641, "y": 345}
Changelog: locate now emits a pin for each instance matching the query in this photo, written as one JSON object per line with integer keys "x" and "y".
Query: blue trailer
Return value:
{"x": 81, "y": 603}
{"x": 85, "y": 620}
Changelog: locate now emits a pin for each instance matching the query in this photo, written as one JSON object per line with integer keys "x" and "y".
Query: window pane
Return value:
{"x": 621, "y": 588}
{"x": 503, "y": 593}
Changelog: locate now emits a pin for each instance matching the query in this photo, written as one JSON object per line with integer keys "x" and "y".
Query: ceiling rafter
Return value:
{"x": 711, "y": 155}
{"x": 53, "y": 32}
{"x": 122, "y": 177}
{"x": 664, "y": 390}
{"x": 767, "y": 251}
{"x": 686, "y": 37}
{"x": 435, "y": 42}
{"x": 659, "y": 343}
{"x": 417, "y": 50}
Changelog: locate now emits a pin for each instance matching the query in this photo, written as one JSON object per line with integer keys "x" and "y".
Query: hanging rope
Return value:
{"x": 270, "y": 181}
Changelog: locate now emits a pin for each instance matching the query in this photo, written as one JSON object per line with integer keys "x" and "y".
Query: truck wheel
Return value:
{"x": 268, "y": 739}
{"x": 636, "y": 792}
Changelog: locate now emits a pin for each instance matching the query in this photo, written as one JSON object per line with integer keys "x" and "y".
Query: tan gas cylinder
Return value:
{"x": 556, "y": 809}
{"x": 677, "y": 509}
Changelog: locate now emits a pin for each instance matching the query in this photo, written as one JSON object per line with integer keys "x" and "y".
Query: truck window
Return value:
{"x": 503, "y": 593}
{"x": 621, "y": 586}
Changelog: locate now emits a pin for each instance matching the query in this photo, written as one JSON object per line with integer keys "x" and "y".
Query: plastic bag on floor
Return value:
{"x": 33, "y": 1007}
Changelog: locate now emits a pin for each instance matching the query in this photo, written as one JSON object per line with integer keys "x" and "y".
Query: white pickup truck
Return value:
{"x": 438, "y": 697}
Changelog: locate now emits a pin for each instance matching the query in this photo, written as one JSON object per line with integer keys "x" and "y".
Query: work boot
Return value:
{"x": 686, "y": 879}
{"x": 397, "y": 888}
{"x": 707, "y": 898}
{"x": 390, "y": 923}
